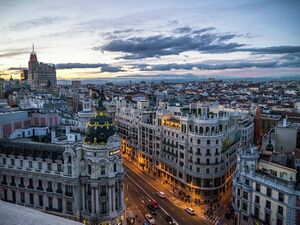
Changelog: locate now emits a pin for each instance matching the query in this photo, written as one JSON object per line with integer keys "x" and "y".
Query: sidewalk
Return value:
{"x": 168, "y": 190}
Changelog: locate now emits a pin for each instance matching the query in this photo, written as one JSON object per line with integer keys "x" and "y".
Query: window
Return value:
{"x": 103, "y": 206}
{"x": 257, "y": 187}
{"x": 103, "y": 190}
{"x": 217, "y": 142}
{"x": 267, "y": 218}
{"x": 59, "y": 187}
{"x": 40, "y": 165}
{"x": 102, "y": 170}
{"x": 22, "y": 197}
{"x": 69, "y": 169}
{"x": 115, "y": 167}
{"x": 41, "y": 200}
{"x": 245, "y": 207}
{"x": 208, "y": 142}
{"x": 245, "y": 218}
{"x": 256, "y": 212}
{"x": 49, "y": 186}
{"x": 89, "y": 169}
{"x": 12, "y": 162}
{"x": 238, "y": 192}
{"x": 69, "y": 189}
{"x": 269, "y": 192}
{"x": 30, "y": 183}
{"x": 268, "y": 204}
{"x": 245, "y": 195}
{"x": 50, "y": 200}
{"x": 207, "y": 161}
{"x": 4, "y": 161}
{"x": 49, "y": 166}
{"x": 58, "y": 167}
{"x": 207, "y": 170}
{"x": 198, "y": 141}
{"x": 31, "y": 199}
{"x": 30, "y": 164}
{"x": 279, "y": 221}
{"x": 256, "y": 199}
{"x": 280, "y": 197}
{"x": 40, "y": 185}
{"x": 69, "y": 206}
{"x": 246, "y": 181}
{"x": 280, "y": 210}
{"x": 59, "y": 204}
{"x": 22, "y": 181}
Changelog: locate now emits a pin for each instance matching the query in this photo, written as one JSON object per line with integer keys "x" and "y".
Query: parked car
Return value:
{"x": 161, "y": 194}
{"x": 150, "y": 218}
{"x": 190, "y": 211}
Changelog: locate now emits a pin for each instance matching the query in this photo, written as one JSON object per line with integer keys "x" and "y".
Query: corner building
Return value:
{"x": 81, "y": 181}
{"x": 192, "y": 147}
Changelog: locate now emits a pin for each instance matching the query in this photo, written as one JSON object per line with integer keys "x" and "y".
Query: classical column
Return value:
{"x": 114, "y": 197}
{"x": 122, "y": 195}
{"x": 93, "y": 200}
{"x": 97, "y": 200}
{"x": 83, "y": 196}
{"x": 110, "y": 199}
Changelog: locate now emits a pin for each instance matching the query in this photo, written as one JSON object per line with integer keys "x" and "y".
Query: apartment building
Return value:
{"x": 264, "y": 191}
{"x": 191, "y": 147}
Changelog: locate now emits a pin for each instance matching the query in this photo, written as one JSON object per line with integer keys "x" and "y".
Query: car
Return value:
{"x": 155, "y": 204}
{"x": 152, "y": 209}
{"x": 149, "y": 218}
{"x": 189, "y": 210}
{"x": 169, "y": 220}
{"x": 161, "y": 194}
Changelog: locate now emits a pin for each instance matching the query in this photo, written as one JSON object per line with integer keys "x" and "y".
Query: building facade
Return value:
{"x": 40, "y": 75}
{"x": 82, "y": 181}
{"x": 264, "y": 192}
{"x": 193, "y": 147}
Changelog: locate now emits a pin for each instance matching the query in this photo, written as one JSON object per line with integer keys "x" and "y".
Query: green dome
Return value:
{"x": 101, "y": 126}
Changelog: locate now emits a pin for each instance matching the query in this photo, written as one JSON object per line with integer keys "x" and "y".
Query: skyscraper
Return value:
{"x": 40, "y": 74}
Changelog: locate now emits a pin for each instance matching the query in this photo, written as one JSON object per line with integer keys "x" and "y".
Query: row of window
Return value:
{"x": 41, "y": 203}
{"x": 40, "y": 165}
{"x": 68, "y": 188}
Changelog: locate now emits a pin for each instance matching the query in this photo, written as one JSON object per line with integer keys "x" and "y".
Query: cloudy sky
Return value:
{"x": 103, "y": 39}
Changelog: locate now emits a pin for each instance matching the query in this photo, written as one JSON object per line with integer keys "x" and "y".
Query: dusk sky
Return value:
{"x": 102, "y": 39}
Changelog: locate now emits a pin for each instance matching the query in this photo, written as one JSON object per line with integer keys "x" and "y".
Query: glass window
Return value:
{"x": 30, "y": 164}
{"x": 256, "y": 199}
{"x": 269, "y": 192}
{"x": 280, "y": 210}
{"x": 257, "y": 187}
{"x": 268, "y": 204}
{"x": 280, "y": 197}
{"x": 40, "y": 165}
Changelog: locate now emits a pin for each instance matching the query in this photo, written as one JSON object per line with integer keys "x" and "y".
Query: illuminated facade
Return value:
{"x": 193, "y": 147}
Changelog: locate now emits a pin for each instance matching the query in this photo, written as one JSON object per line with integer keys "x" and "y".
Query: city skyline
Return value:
{"x": 143, "y": 39}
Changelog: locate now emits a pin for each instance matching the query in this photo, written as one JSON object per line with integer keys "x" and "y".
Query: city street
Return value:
{"x": 140, "y": 193}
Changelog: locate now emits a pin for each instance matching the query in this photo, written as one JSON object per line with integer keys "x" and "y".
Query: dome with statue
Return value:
{"x": 100, "y": 126}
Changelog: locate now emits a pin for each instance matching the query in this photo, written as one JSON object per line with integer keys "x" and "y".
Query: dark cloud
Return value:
{"x": 206, "y": 40}
{"x": 27, "y": 24}
{"x": 181, "y": 30}
{"x": 215, "y": 66}
{"x": 10, "y": 54}
{"x": 103, "y": 66}
{"x": 160, "y": 45}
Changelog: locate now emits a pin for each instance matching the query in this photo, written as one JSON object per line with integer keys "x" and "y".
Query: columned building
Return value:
{"x": 81, "y": 181}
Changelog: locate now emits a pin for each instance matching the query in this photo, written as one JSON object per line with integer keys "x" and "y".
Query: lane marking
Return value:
{"x": 148, "y": 195}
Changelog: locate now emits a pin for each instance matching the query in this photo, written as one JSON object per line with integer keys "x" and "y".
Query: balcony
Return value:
{"x": 4, "y": 182}
{"x": 59, "y": 191}
{"x": 49, "y": 190}
{"x": 69, "y": 194}
{"x": 30, "y": 187}
{"x": 21, "y": 185}
{"x": 40, "y": 188}
{"x": 12, "y": 184}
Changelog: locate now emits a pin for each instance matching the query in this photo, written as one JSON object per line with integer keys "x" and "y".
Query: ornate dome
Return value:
{"x": 100, "y": 127}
